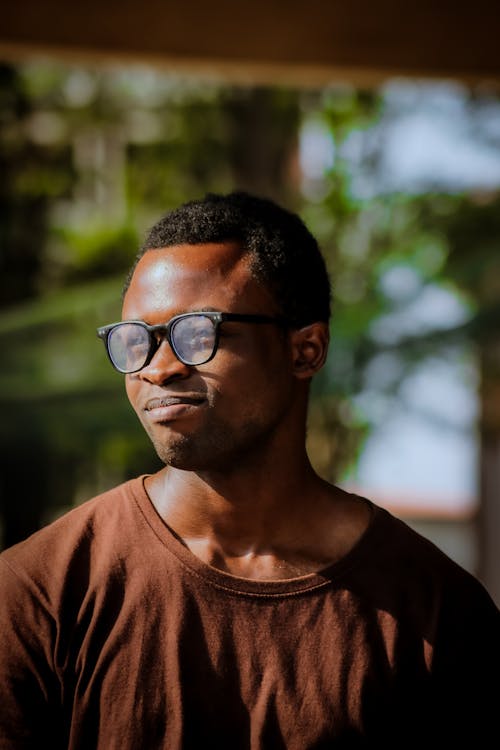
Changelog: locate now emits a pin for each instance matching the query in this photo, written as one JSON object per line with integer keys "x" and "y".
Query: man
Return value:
{"x": 235, "y": 599}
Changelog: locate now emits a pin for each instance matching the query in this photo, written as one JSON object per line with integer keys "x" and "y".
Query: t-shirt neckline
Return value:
{"x": 328, "y": 575}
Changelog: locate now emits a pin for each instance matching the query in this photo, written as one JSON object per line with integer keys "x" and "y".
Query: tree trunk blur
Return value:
{"x": 263, "y": 137}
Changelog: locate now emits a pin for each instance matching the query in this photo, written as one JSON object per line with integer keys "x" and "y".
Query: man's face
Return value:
{"x": 212, "y": 415}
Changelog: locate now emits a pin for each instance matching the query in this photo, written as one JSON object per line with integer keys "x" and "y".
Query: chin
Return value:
{"x": 215, "y": 449}
{"x": 181, "y": 454}
{"x": 175, "y": 453}
{"x": 186, "y": 455}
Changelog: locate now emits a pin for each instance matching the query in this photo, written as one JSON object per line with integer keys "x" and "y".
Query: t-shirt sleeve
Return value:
{"x": 467, "y": 665}
{"x": 29, "y": 687}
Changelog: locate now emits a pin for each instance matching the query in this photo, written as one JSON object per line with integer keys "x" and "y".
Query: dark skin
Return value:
{"x": 238, "y": 487}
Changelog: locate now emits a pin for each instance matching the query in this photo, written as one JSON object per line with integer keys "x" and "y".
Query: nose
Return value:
{"x": 164, "y": 366}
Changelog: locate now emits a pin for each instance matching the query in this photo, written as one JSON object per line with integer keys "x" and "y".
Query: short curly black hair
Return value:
{"x": 285, "y": 256}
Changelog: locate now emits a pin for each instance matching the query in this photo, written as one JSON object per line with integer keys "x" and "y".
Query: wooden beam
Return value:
{"x": 295, "y": 41}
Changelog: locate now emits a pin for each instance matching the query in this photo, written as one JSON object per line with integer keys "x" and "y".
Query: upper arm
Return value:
{"x": 29, "y": 686}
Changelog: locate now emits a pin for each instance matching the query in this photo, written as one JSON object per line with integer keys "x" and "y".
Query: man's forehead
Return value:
{"x": 211, "y": 256}
{"x": 188, "y": 276}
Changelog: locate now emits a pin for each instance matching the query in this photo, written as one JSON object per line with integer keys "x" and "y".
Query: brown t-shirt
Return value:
{"x": 113, "y": 635}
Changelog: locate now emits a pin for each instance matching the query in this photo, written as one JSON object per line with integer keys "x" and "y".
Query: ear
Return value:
{"x": 309, "y": 349}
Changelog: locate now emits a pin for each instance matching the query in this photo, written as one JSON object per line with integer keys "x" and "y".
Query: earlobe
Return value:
{"x": 309, "y": 349}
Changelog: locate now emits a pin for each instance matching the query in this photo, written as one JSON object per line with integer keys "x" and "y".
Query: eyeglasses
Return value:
{"x": 194, "y": 338}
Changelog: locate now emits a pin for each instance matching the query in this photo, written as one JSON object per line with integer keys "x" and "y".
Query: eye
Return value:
{"x": 136, "y": 339}
{"x": 134, "y": 336}
{"x": 128, "y": 346}
{"x": 202, "y": 333}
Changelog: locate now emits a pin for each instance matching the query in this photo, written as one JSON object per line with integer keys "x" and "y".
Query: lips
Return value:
{"x": 172, "y": 406}
{"x": 158, "y": 403}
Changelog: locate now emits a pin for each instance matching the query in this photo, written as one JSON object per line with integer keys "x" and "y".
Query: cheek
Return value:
{"x": 253, "y": 378}
{"x": 261, "y": 351}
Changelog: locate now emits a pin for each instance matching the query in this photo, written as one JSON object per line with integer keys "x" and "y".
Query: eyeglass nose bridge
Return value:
{"x": 157, "y": 335}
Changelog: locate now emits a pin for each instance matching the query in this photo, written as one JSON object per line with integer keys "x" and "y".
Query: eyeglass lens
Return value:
{"x": 192, "y": 339}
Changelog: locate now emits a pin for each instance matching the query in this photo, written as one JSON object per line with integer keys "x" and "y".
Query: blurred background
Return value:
{"x": 394, "y": 164}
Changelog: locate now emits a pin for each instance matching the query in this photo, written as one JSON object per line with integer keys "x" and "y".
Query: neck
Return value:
{"x": 235, "y": 508}
{"x": 266, "y": 525}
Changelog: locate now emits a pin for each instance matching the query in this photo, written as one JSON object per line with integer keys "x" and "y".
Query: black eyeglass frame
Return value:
{"x": 217, "y": 319}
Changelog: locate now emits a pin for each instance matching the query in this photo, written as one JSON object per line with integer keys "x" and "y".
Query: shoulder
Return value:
{"x": 88, "y": 531}
{"x": 456, "y": 618}
{"x": 411, "y": 567}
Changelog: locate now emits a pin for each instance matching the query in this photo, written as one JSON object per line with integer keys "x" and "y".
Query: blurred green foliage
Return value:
{"x": 90, "y": 158}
